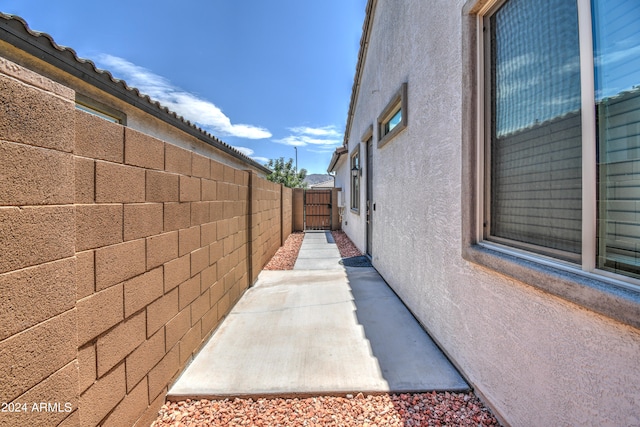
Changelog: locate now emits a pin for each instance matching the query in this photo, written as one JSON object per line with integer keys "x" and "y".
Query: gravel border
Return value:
{"x": 286, "y": 256}
{"x": 383, "y": 410}
{"x": 345, "y": 245}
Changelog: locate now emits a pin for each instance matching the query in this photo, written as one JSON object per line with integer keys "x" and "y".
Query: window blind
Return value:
{"x": 617, "y": 72}
{"x": 536, "y": 189}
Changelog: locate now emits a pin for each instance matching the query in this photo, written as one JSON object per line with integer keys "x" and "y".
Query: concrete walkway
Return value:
{"x": 316, "y": 330}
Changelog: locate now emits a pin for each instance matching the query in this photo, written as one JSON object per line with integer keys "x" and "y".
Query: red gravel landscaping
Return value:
{"x": 395, "y": 410}
{"x": 345, "y": 245}
{"x": 285, "y": 258}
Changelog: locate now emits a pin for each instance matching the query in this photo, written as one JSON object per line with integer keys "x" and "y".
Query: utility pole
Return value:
{"x": 296, "y": 148}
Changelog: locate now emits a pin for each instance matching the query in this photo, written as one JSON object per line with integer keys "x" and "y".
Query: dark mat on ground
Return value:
{"x": 356, "y": 261}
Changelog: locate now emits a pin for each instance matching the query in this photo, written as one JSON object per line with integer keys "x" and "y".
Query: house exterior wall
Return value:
{"x": 353, "y": 221}
{"x": 535, "y": 358}
{"x": 335, "y": 209}
{"x": 342, "y": 201}
{"x": 121, "y": 254}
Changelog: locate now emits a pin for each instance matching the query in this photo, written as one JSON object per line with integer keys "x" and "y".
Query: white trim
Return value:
{"x": 480, "y": 135}
{"x": 618, "y": 280}
{"x": 546, "y": 260}
{"x": 490, "y": 6}
{"x": 588, "y": 115}
{"x": 483, "y": 160}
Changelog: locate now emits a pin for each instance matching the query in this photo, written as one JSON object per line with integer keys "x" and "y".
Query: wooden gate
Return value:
{"x": 317, "y": 209}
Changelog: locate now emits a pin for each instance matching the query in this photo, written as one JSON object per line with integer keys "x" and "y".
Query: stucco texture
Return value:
{"x": 535, "y": 358}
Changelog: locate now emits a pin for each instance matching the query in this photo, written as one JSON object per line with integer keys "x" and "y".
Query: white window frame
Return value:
{"x": 613, "y": 295}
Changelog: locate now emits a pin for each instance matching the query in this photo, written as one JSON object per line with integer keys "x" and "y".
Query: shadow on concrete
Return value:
{"x": 408, "y": 359}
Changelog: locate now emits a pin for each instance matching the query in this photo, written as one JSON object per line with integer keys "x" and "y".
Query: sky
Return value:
{"x": 262, "y": 76}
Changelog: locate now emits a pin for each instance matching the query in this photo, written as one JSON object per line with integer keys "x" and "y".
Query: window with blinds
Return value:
{"x": 617, "y": 80}
{"x": 535, "y": 182}
{"x": 536, "y": 136}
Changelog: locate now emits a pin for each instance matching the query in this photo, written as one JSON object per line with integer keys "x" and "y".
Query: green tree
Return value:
{"x": 284, "y": 173}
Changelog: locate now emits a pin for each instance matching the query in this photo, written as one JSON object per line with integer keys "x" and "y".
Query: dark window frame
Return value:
{"x": 398, "y": 103}
{"x": 354, "y": 160}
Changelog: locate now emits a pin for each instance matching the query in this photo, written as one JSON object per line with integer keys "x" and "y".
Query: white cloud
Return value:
{"x": 261, "y": 160}
{"x": 245, "y": 150}
{"x": 249, "y": 153}
{"x": 573, "y": 101}
{"x": 619, "y": 51}
{"x": 322, "y": 150}
{"x": 517, "y": 63}
{"x": 323, "y": 131}
{"x": 302, "y": 136}
{"x": 186, "y": 104}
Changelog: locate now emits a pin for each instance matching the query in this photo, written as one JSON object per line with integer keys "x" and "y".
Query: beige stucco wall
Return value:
{"x": 353, "y": 222}
{"x": 342, "y": 196}
{"x": 537, "y": 359}
{"x": 121, "y": 253}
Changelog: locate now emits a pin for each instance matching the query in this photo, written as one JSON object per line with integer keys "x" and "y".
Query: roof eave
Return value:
{"x": 362, "y": 55}
{"x": 335, "y": 157}
{"x": 15, "y": 31}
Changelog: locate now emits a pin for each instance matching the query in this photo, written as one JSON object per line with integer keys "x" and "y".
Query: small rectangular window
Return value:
{"x": 394, "y": 117}
{"x": 393, "y": 122}
{"x": 98, "y": 109}
{"x": 97, "y": 113}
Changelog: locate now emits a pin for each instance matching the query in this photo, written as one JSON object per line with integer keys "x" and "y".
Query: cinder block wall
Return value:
{"x": 38, "y": 267}
{"x": 287, "y": 213}
{"x": 265, "y": 218}
{"x": 121, "y": 253}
